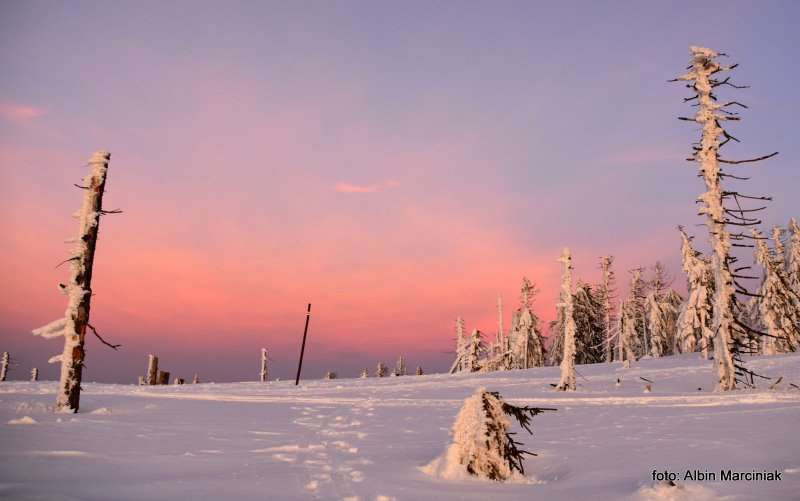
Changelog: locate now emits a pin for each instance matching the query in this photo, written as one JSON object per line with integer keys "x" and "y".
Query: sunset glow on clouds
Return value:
{"x": 393, "y": 172}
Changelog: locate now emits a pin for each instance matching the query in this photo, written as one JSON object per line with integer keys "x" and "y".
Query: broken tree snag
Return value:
{"x": 79, "y": 286}
{"x": 264, "y": 374}
{"x": 34, "y": 374}
{"x": 163, "y": 377}
{"x": 152, "y": 370}
{"x": 179, "y": 380}
{"x": 4, "y": 366}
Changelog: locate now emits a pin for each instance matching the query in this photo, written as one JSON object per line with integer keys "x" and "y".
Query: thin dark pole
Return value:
{"x": 303, "y": 346}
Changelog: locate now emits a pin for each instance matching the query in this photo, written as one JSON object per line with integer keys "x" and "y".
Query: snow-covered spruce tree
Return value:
{"x": 263, "y": 375}
{"x": 606, "y": 295}
{"x": 419, "y": 370}
{"x": 589, "y": 319}
{"x": 637, "y": 316}
{"x": 381, "y": 370}
{"x": 629, "y": 340}
{"x": 79, "y": 288}
{"x": 4, "y": 360}
{"x": 793, "y": 257}
{"x": 730, "y": 337}
{"x": 567, "y": 382}
{"x": 482, "y": 443}
{"x": 473, "y": 352}
{"x": 657, "y": 325}
{"x": 696, "y": 317}
{"x": 34, "y": 374}
{"x": 777, "y": 304}
{"x": 526, "y": 344}
{"x": 459, "y": 364}
{"x": 590, "y": 332}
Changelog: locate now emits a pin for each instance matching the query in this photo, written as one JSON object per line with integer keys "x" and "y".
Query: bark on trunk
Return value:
{"x": 79, "y": 288}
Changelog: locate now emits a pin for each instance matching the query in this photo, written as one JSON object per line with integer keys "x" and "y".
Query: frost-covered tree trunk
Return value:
{"x": 459, "y": 364}
{"x": 567, "y": 382}
{"x": 381, "y": 370}
{"x": 400, "y": 366}
{"x": 4, "y": 366}
{"x": 34, "y": 374}
{"x": 264, "y": 373}
{"x": 79, "y": 287}
{"x": 620, "y": 332}
{"x": 695, "y": 322}
{"x": 364, "y": 373}
{"x": 729, "y": 336}
{"x": 777, "y": 304}
{"x": 499, "y": 341}
{"x": 163, "y": 378}
{"x": 195, "y": 379}
{"x": 152, "y": 370}
{"x": 419, "y": 370}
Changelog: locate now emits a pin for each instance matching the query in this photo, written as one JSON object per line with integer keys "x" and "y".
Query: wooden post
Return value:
{"x": 163, "y": 377}
{"x": 4, "y": 366}
{"x": 152, "y": 370}
{"x": 79, "y": 287}
{"x": 264, "y": 374}
{"x": 303, "y": 346}
{"x": 34, "y": 374}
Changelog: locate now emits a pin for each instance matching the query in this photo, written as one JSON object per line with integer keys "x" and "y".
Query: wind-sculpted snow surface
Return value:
{"x": 366, "y": 439}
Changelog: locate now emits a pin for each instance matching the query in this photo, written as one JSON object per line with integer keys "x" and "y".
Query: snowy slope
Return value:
{"x": 366, "y": 438}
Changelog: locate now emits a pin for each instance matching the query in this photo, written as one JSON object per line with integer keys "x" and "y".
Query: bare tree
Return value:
{"x": 731, "y": 336}
{"x": 79, "y": 287}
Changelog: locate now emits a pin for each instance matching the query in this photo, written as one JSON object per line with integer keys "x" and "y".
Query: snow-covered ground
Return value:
{"x": 366, "y": 439}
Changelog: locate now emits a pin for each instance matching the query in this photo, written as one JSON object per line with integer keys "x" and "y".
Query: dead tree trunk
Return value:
{"x": 34, "y": 374}
{"x": 195, "y": 379}
{"x": 141, "y": 381}
{"x": 79, "y": 287}
{"x": 163, "y": 377}
{"x": 179, "y": 380}
{"x": 4, "y": 366}
{"x": 152, "y": 370}
{"x": 264, "y": 374}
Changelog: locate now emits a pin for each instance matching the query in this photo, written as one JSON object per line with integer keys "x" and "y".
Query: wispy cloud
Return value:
{"x": 18, "y": 112}
{"x": 343, "y": 187}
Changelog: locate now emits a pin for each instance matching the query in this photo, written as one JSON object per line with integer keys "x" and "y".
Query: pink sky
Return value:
{"x": 396, "y": 167}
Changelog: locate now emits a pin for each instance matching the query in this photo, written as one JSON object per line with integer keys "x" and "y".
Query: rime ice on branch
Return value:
{"x": 78, "y": 289}
{"x": 730, "y": 335}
